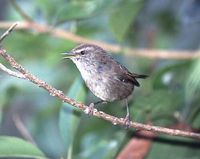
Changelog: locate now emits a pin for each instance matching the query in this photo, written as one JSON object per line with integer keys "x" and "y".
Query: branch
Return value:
{"x": 146, "y": 53}
{"x": 10, "y": 72}
{"x": 20, "y": 11}
{"x": 116, "y": 121}
{"x": 7, "y": 32}
{"x": 2, "y": 67}
{"x": 57, "y": 93}
{"x": 22, "y": 129}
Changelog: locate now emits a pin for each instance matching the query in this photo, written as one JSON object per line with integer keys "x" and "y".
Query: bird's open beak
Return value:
{"x": 68, "y": 55}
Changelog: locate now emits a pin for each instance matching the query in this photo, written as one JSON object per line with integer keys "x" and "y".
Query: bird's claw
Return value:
{"x": 127, "y": 122}
{"x": 90, "y": 109}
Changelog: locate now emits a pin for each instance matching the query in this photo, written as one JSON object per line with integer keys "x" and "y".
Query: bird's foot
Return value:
{"x": 100, "y": 102}
{"x": 127, "y": 121}
{"x": 90, "y": 109}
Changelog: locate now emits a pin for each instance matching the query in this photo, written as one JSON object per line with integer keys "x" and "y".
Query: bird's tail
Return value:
{"x": 140, "y": 76}
{"x": 136, "y": 83}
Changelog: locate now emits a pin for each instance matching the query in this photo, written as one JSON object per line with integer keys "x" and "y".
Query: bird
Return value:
{"x": 105, "y": 77}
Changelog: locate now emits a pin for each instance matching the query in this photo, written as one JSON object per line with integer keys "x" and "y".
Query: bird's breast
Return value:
{"x": 103, "y": 82}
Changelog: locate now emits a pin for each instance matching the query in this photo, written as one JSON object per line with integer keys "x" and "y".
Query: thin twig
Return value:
{"x": 10, "y": 72}
{"x": 146, "y": 53}
{"x": 8, "y": 31}
{"x": 20, "y": 11}
{"x": 116, "y": 121}
{"x": 22, "y": 129}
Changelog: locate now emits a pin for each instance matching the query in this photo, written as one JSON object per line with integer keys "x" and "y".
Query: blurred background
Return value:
{"x": 168, "y": 98}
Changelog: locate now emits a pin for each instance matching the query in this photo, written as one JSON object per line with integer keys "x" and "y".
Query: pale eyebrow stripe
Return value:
{"x": 81, "y": 49}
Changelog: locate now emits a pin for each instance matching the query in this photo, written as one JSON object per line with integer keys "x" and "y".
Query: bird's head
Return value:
{"x": 84, "y": 52}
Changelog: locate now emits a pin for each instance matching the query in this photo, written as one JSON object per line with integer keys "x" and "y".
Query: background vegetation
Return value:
{"x": 169, "y": 97}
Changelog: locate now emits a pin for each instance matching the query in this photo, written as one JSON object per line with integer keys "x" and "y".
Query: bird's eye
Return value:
{"x": 82, "y": 52}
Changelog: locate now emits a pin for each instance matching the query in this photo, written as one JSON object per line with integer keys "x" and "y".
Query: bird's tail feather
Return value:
{"x": 136, "y": 83}
{"x": 140, "y": 76}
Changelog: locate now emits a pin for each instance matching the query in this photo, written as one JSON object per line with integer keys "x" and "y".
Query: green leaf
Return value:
{"x": 81, "y": 9}
{"x": 192, "y": 85}
{"x": 103, "y": 144}
{"x": 170, "y": 70}
{"x": 178, "y": 148}
{"x": 69, "y": 119}
{"x": 196, "y": 121}
{"x": 123, "y": 16}
{"x": 16, "y": 147}
{"x": 27, "y": 48}
{"x": 71, "y": 10}
{"x": 158, "y": 106}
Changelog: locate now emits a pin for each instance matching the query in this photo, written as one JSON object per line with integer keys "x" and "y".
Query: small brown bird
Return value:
{"x": 105, "y": 77}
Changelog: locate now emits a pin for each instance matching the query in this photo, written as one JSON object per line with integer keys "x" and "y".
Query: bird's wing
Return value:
{"x": 119, "y": 72}
{"x": 127, "y": 76}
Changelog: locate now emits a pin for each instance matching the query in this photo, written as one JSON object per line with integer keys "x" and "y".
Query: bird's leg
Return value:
{"x": 100, "y": 102}
{"x": 127, "y": 118}
{"x": 90, "y": 108}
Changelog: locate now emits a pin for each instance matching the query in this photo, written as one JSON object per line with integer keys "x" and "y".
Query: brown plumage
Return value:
{"x": 104, "y": 76}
